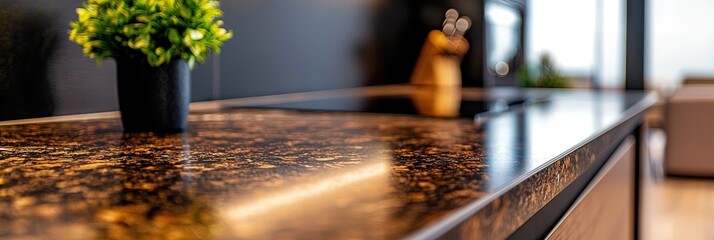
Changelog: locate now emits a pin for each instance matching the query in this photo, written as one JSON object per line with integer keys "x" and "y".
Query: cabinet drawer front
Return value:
{"x": 605, "y": 209}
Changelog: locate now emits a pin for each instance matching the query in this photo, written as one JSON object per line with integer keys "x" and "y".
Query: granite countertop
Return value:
{"x": 273, "y": 174}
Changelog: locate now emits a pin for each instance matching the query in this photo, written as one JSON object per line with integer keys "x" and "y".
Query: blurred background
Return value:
{"x": 304, "y": 45}
{"x": 289, "y": 46}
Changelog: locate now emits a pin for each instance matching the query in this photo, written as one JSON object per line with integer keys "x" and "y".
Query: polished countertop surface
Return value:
{"x": 252, "y": 173}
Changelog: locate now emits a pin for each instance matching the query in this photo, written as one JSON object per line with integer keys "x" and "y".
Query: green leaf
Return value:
{"x": 143, "y": 18}
{"x": 185, "y": 13}
{"x": 192, "y": 62}
{"x": 140, "y": 42}
{"x": 174, "y": 37}
{"x": 195, "y": 34}
{"x": 153, "y": 59}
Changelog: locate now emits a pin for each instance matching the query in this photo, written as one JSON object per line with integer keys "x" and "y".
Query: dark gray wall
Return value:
{"x": 278, "y": 47}
{"x": 42, "y": 72}
{"x": 281, "y": 46}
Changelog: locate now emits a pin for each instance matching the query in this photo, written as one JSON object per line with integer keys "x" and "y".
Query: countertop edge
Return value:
{"x": 443, "y": 226}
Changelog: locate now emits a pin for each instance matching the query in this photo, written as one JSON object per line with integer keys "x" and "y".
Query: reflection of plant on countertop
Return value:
{"x": 155, "y": 30}
{"x": 547, "y": 77}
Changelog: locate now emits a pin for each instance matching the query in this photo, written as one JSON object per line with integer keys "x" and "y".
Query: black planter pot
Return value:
{"x": 153, "y": 99}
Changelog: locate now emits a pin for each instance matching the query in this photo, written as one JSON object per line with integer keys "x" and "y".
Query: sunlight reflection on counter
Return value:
{"x": 317, "y": 196}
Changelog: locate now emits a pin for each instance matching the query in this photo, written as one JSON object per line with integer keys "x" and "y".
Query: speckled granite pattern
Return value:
{"x": 273, "y": 174}
{"x": 88, "y": 176}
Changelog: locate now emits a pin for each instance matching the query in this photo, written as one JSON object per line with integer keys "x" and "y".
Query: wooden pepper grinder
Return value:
{"x": 440, "y": 58}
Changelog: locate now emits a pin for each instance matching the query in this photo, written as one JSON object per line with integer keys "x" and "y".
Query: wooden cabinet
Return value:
{"x": 605, "y": 209}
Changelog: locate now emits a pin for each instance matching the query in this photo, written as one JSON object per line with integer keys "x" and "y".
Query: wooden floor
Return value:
{"x": 675, "y": 208}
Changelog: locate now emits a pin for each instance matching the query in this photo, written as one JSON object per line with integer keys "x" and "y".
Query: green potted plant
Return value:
{"x": 547, "y": 75}
{"x": 155, "y": 44}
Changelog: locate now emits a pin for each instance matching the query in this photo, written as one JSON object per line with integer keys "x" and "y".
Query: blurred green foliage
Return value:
{"x": 547, "y": 75}
{"x": 157, "y": 31}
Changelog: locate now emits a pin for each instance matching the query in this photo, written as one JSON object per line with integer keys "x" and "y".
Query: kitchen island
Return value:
{"x": 255, "y": 168}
